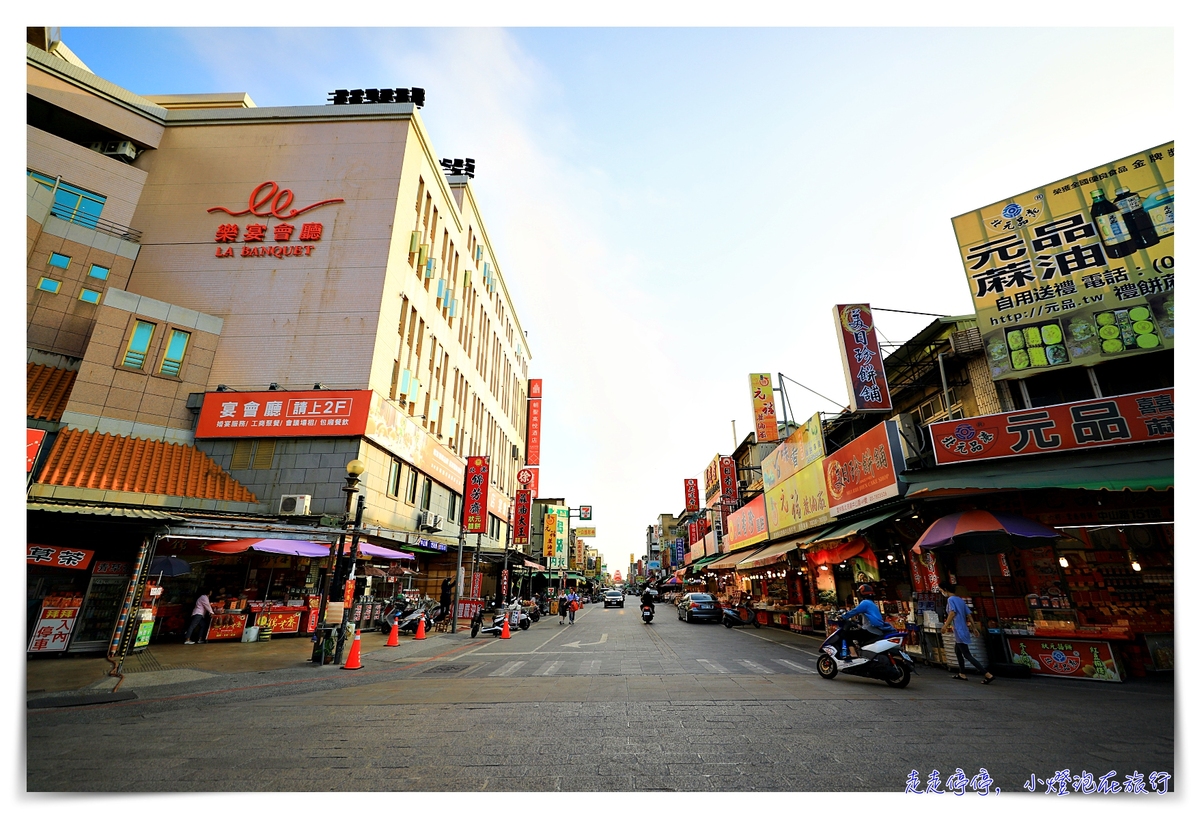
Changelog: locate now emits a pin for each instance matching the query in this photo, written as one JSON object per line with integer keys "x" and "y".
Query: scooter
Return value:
{"x": 516, "y": 619}
{"x": 647, "y": 614}
{"x": 742, "y": 614}
{"x": 859, "y": 652}
{"x": 409, "y": 618}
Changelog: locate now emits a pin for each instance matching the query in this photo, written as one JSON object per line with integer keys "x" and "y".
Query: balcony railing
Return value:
{"x": 96, "y": 223}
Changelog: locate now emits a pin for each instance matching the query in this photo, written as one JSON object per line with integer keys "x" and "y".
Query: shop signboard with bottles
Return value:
{"x": 1076, "y": 272}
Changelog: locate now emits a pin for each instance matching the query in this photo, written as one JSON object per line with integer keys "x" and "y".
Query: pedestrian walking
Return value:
{"x": 563, "y": 605}
{"x": 958, "y": 619}
{"x": 572, "y": 606}
{"x": 201, "y": 609}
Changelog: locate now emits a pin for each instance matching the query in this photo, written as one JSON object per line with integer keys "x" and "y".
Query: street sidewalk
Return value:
{"x": 175, "y": 662}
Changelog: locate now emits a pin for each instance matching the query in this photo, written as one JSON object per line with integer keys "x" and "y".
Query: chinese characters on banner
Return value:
{"x": 562, "y": 516}
{"x": 803, "y": 446}
{"x": 533, "y": 431}
{"x": 269, "y": 201}
{"x": 585, "y": 531}
{"x": 475, "y": 495}
{"x": 862, "y": 362}
{"x": 33, "y": 445}
{"x": 55, "y": 623}
{"x": 1086, "y": 424}
{"x": 712, "y": 478}
{"x": 864, "y": 471}
{"x": 1076, "y": 658}
{"x": 1077, "y": 272}
{"x": 313, "y": 413}
{"x": 729, "y": 486}
{"x": 800, "y": 501}
{"x": 679, "y": 550}
{"x": 521, "y": 517}
{"x": 762, "y": 400}
{"x": 691, "y": 494}
{"x": 748, "y": 525}
{"x": 549, "y": 527}
{"x": 56, "y": 557}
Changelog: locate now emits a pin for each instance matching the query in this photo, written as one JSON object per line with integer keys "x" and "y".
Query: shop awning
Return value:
{"x": 767, "y": 556}
{"x": 104, "y": 511}
{"x": 848, "y": 529}
{"x": 368, "y": 550}
{"x": 702, "y": 562}
{"x": 537, "y": 566}
{"x": 1142, "y": 467}
{"x": 731, "y": 560}
{"x": 295, "y": 548}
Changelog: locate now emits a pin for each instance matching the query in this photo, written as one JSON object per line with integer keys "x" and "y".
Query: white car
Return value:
{"x": 614, "y": 598}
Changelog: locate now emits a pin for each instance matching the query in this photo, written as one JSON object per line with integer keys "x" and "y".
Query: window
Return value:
{"x": 252, "y": 454}
{"x": 139, "y": 344}
{"x": 243, "y": 450}
{"x": 72, "y": 203}
{"x": 89, "y": 296}
{"x": 393, "y": 483}
{"x": 96, "y": 271}
{"x": 410, "y": 491}
{"x": 452, "y": 516}
{"x": 934, "y": 409}
{"x": 264, "y": 454}
{"x": 176, "y": 348}
{"x": 59, "y": 260}
{"x": 426, "y": 494}
{"x": 49, "y": 285}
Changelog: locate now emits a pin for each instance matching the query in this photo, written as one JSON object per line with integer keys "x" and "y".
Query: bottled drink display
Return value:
{"x": 1137, "y": 221}
{"x": 1118, "y": 241}
{"x": 1160, "y": 207}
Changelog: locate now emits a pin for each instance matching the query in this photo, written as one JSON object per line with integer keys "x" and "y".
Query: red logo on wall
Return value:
{"x": 268, "y": 199}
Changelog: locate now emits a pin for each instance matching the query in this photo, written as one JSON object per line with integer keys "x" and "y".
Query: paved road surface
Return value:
{"x": 672, "y": 706}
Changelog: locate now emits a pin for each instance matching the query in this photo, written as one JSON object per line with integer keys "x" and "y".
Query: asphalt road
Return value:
{"x": 606, "y": 704}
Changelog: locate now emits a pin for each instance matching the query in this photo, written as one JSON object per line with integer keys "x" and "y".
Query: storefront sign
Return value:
{"x": 562, "y": 516}
{"x": 504, "y": 584}
{"x": 112, "y": 569}
{"x": 803, "y": 446}
{"x": 226, "y": 626}
{"x": 1077, "y": 272}
{"x": 534, "y": 484}
{"x": 864, "y": 470}
{"x": 533, "y": 435}
{"x": 475, "y": 493}
{"x": 476, "y": 583}
{"x": 525, "y": 477}
{"x": 55, "y": 623}
{"x": 800, "y": 502}
{"x": 1075, "y": 658}
{"x": 748, "y": 525}
{"x": 1087, "y": 424}
{"x": 283, "y": 621}
{"x": 55, "y": 557}
{"x": 585, "y": 531}
{"x": 521, "y": 517}
{"x": 691, "y": 495}
{"x": 729, "y": 484}
{"x": 313, "y": 413}
{"x": 862, "y": 362}
{"x": 549, "y": 526}
{"x": 33, "y": 445}
{"x": 762, "y": 402}
{"x": 269, "y": 201}
{"x": 712, "y": 478}
{"x": 679, "y": 550}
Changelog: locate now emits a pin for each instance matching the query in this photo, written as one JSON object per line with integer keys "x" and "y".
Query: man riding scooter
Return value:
{"x": 876, "y": 626}
{"x": 648, "y": 599}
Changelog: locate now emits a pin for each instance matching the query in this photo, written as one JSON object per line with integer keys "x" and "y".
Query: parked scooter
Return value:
{"x": 647, "y": 614}
{"x": 516, "y": 619}
{"x": 741, "y": 614}
{"x": 860, "y": 652}
{"x": 408, "y": 618}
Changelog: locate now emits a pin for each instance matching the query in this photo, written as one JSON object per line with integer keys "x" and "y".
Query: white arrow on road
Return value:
{"x": 603, "y": 639}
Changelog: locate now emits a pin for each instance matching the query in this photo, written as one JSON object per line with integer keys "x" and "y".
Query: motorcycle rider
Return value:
{"x": 648, "y": 599}
{"x": 875, "y": 626}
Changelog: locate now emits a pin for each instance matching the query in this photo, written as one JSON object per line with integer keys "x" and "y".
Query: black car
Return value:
{"x": 614, "y": 598}
{"x": 697, "y": 607}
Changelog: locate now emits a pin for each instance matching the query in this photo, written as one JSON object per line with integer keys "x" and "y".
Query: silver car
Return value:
{"x": 695, "y": 607}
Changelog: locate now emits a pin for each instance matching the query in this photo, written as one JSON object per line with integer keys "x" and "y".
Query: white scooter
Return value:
{"x": 860, "y": 652}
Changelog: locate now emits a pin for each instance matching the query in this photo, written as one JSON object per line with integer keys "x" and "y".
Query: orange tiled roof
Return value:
{"x": 47, "y": 391}
{"x": 118, "y": 463}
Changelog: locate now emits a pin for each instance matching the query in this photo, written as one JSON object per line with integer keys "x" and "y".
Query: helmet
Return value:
{"x": 866, "y": 591}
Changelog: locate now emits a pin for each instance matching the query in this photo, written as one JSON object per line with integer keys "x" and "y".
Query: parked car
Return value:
{"x": 696, "y": 607}
{"x": 614, "y": 598}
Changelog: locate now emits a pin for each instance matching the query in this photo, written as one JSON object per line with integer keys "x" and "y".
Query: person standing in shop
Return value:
{"x": 200, "y": 610}
{"x": 958, "y": 618}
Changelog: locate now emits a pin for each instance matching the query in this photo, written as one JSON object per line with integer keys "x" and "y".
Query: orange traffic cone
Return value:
{"x": 394, "y": 639}
{"x": 504, "y": 634}
{"x": 420, "y": 628}
{"x": 353, "y": 662}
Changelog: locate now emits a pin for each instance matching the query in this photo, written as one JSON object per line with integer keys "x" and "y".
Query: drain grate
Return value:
{"x": 444, "y": 669}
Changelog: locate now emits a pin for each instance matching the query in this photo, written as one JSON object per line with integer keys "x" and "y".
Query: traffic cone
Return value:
{"x": 504, "y": 634}
{"x": 353, "y": 662}
{"x": 420, "y": 628}
{"x": 394, "y": 639}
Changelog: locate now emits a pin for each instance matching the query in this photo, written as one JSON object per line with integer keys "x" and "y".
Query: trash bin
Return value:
{"x": 324, "y": 644}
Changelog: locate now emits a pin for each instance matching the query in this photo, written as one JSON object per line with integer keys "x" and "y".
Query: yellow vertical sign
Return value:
{"x": 549, "y": 528}
{"x": 762, "y": 399}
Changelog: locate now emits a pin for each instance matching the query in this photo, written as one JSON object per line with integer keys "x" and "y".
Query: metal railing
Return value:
{"x": 96, "y": 223}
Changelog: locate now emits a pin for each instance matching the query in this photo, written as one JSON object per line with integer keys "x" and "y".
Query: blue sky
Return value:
{"x": 673, "y": 209}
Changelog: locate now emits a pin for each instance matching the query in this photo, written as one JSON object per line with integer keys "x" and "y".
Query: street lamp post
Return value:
{"x": 354, "y": 470}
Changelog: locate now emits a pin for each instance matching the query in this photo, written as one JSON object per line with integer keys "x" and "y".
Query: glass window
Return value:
{"x": 453, "y": 515}
{"x": 72, "y": 203}
{"x": 176, "y": 348}
{"x": 139, "y": 344}
{"x": 393, "y": 484}
{"x": 89, "y": 296}
{"x": 49, "y": 285}
{"x": 410, "y": 493}
{"x": 426, "y": 494}
{"x": 96, "y": 271}
{"x": 59, "y": 260}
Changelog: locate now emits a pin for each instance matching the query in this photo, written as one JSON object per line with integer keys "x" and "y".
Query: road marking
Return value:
{"x": 795, "y": 666}
{"x": 507, "y": 669}
{"x": 577, "y": 643}
{"x": 590, "y": 668}
{"x": 712, "y": 667}
{"x": 757, "y": 668}
{"x": 548, "y": 669}
{"x": 780, "y": 644}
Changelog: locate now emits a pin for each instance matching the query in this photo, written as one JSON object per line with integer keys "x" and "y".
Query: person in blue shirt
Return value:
{"x": 876, "y": 625}
{"x": 958, "y": 617}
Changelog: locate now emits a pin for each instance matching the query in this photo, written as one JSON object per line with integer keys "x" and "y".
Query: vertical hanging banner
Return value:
{"x": 549, "y": 527}
{"x": 862, "y": 362}
{"x": 533, "y": 432}
{"x": 521, "y": 512}
{"x": 762, "y": 399}
{"x": 475, "y": 492}
{"x": 691, "y": 495}
{"x": 729, "y": 486}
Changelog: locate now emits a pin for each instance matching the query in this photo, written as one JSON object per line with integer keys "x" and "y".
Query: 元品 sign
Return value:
{"x": 862, "y": 362}
{"x": 864, "y": 470}
{"x": 475, "y": 495}
{"x": 762, "y": 402}
{"x": 1085, "y": 424}
{"x": 314, "y": 413}
{"x": 1077, "y": 272}
{"x": 691, "y": 494}
{"x": 521, "y": 516}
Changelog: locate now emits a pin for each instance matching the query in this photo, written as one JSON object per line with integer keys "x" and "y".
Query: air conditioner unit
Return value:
{"x": 294, "y": 504}
{"x": 428, "y": 521}
{"x": 121, "y": 150}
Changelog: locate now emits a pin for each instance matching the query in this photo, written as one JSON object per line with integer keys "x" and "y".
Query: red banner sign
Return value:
{"x": 521, "y": 516}
{"x": 475, "y": 495}
{"x": 747, "y": 525}
{"x": 1075, "y": 658}
{"x": 33, "y": 445}
{"x": 55, "y": 623}
{"x": 54, "y": 557}
{"x": 729, "y": 486}
{"x": 862, "y": 362}
{"x": 535, "y": 387}
{"x": 1086, "y": 424}
{"x": 864, "y": 470}
{"x": 313, "y": 413}
{"x": 533, "y": 433}
{"x": 691, "y": 495}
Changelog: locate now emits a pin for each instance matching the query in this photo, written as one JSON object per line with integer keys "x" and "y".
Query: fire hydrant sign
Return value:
{"x": 55, "y": 623}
